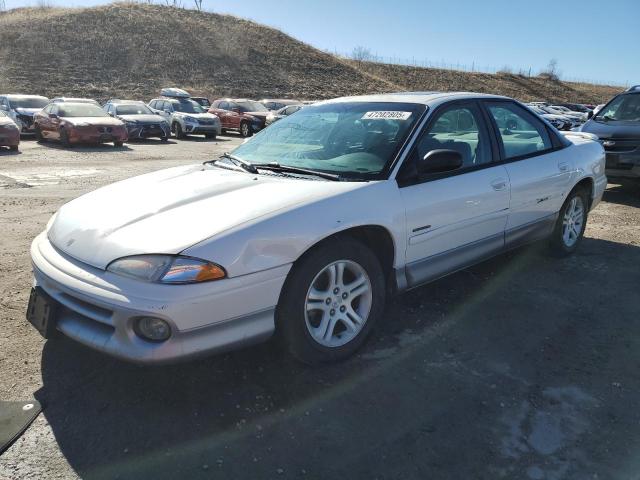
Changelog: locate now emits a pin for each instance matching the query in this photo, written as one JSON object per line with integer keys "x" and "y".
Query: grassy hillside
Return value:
{"x": 131, "y": 50}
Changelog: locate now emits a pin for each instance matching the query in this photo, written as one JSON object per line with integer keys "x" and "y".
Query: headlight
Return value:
{"x": 152, "y": 328}
{"x": 169, "y": 269}
{"x": 190, "y": 119}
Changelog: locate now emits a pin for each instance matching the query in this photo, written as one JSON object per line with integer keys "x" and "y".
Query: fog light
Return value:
{"x": 153, "y": 329}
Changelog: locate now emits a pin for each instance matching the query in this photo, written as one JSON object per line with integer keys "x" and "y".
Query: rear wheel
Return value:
{"x": 13, "y": 148}
{"x": 164, "y": 139}
{"x": 210, "y": 136}
{"x": 245, "y": 129}
{"x": 118, "y": 144}
{"x": 571, "y": 223}
{"x": 331, "y": 301}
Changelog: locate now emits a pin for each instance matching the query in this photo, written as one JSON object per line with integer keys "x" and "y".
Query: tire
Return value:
{"x": 210, "y": 136}
{"x": 321, "y": 334}
{"x": 64, "y": 138}
{"x": 572, "y": 221}
{"x": 39, "y": 137}
{"x": 118, "y": 144}
{"x": 245, "y": 129}
{"x": 13, "y": 148}
{"x": 223, "y": 131}
{"x": 164, "y": 139}
{"x": 178, "y": 129}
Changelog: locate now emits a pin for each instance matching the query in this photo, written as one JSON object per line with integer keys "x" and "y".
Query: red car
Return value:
{"x": 78, "y": 123}
{"x": 9, "y": 132}
{"x": 245, "y": 116}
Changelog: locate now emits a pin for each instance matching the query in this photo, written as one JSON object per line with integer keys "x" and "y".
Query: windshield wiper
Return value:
{"x": 248, "y": 166}
{"x": 276, "y": 167}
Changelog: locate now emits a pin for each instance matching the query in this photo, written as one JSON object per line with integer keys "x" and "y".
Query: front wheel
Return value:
{"x": 13, "y": 148}
{"x": 245, "y": 129}
{"x": 39, "y": 137}
{"x": 179, "y": 132}
{"x": 571, "y": 223}
{"x": 64, "y": 138}
{"x": 210, "y": 136}
{"x": 118, "y": 144}
{"x": 331, "y": 301}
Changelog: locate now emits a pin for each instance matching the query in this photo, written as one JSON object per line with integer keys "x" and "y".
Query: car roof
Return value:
{"x": 73, "y": 100}
{"x": 425, "y": 98}
{"x": 18, "y": 95}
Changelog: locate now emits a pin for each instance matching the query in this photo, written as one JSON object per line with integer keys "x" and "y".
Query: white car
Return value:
{"x": 305, "y": 228}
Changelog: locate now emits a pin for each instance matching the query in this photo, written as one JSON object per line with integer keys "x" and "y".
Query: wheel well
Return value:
{"x": 377, "y": 238}
{"x": 587, "y": 185}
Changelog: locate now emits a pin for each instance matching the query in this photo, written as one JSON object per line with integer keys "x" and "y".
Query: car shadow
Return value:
{"x": 151, "y": 141}
{"x": 200, "y": 138}
{"x": 623, "y": 192}
{"x": 102, "y": 147}
{"x": 441, "y": 376}
{"x": 5, "y": 152}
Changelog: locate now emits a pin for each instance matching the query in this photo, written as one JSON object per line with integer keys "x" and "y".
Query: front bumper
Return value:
{"x": 623, "y": 160}
{"x": 148, "y": 131}
{"x": 199, "y": 128}
{"x": 97, "y": 134}
{"x": 9, "y": 138}
{"x": 99, "y": 308}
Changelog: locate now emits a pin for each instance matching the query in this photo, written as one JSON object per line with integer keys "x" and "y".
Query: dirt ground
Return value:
{"x": 523, "y": 367}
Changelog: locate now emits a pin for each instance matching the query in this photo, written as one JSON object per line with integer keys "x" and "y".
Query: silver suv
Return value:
{"x": 186, "y": 117}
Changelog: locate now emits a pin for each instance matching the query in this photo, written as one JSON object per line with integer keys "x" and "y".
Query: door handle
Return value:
{"x": 563, "y": 166}
{"x": 499, "y": 184}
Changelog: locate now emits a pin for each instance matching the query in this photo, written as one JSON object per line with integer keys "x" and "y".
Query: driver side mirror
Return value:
{"x": 440, "y": 161}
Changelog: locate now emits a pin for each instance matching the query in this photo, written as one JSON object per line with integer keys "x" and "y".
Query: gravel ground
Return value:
{"x": 523, "y": 367}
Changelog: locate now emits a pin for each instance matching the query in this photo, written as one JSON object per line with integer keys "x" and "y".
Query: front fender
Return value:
{"x": 282, "y": 238}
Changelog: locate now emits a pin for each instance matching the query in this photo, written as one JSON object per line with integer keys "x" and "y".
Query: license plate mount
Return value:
{"x": 41, "y": 312}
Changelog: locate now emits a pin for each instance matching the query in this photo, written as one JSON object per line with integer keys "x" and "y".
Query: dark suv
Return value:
{"x": 617, "y": 125}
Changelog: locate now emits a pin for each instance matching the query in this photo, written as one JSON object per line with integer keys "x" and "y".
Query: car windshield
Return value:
{"x": 251, "y": 107}
{"x": 80, "y": 110}
{"x": 353, "y": 140}
{"x": 187, "y": 106}
{"x": 133, "y": 109}
{"x": 623, "y": 108}
{"x": 28, "y": 102}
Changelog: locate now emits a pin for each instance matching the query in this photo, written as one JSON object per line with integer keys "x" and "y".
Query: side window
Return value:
{"x": 153, "y": 104}
{"x": 458, "y": 128}
{"x": 224, "y": 105}
{"x": 520, "y": 132}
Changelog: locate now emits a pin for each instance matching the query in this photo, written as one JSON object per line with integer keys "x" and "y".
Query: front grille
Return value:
{"x": 205, "y": 122}
{"x": 27, "y": 120}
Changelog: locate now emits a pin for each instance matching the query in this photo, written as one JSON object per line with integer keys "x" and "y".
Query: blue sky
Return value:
{"x": 591, "y": 40}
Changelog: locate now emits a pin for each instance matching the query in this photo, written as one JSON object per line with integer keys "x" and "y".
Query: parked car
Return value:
{"x": 278, "y": 104}
{"x": 575, "y": 120}
{"x": 245, "y": 116}
{"x": 72, "y": 123}
{"x": 558, "y": 121}
{"x": 186, "y": 117}
{"x": 282, "y": 113}
{"x": 617, "y": 125}
{"x": 9, "y": 132}
{"x": 576, "y": 107}
{"x": 21, "y": 109}
{"x": 74, "y": 100}
{"x": 566, "y": 111}
{"x": 329, "y": 210}
{"x": 202, "y": 101}
{"x": 140, "y": 121}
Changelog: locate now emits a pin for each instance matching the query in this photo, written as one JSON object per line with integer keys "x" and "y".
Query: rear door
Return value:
{"x": 539, "y": 170}
{"x": 458, "y": 218}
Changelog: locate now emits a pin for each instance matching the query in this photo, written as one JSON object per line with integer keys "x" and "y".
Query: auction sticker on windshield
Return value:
{"x": 386, "y": 115}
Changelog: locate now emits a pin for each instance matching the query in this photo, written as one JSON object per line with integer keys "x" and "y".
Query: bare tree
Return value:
{"x": 198, "y": 4}
{"x": 361, "y": 54}
{"x": 3, "y": 6}
{"x": 551, "y": 72}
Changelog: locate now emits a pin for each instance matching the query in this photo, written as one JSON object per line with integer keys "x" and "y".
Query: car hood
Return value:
{"x": 613, "y": 129}
{"x": 103, "y": 121}
{"x": 142, "y": 118}
{"x": 27, "y": 111}
{"x": 171, "y": 210}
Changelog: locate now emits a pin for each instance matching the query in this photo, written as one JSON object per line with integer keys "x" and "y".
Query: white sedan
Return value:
{"x": 305, "y": 229}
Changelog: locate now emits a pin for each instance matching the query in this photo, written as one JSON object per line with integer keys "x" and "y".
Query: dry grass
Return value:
{"x": 132, "y": 50}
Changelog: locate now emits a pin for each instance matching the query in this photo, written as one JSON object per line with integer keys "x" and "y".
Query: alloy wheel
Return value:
{"x": 573, "y": 221}
{"x": 338, "y": 303}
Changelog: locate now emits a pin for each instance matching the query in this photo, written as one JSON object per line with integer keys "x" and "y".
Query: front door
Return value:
{"x": 458, "y": 218}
